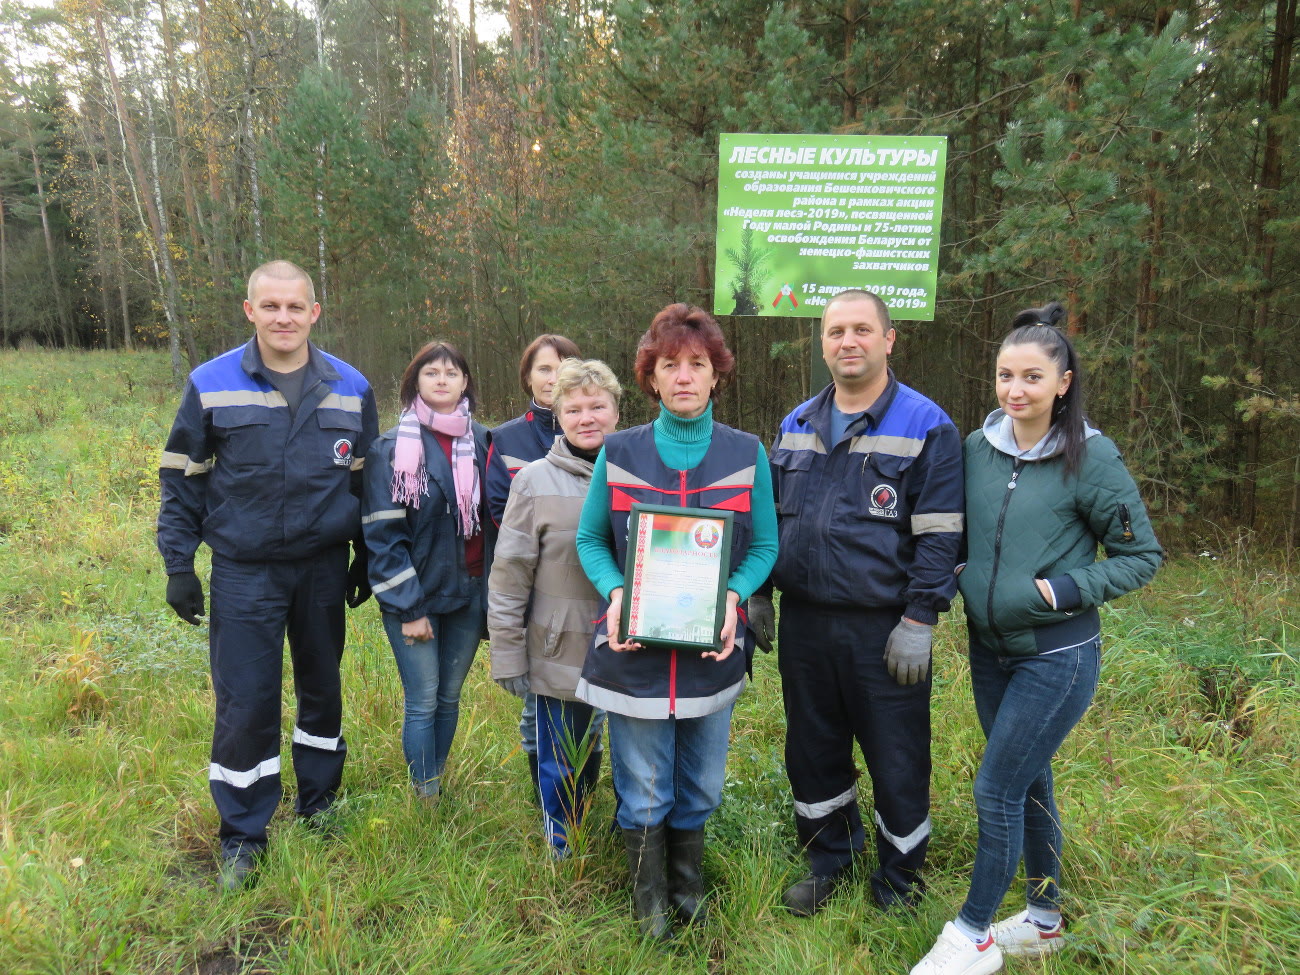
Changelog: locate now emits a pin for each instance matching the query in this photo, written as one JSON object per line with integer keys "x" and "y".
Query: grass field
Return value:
{"x": 1180, "y": 788}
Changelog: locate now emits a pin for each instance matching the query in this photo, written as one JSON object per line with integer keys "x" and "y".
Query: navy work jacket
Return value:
{"x": 874, "y": 521}
{"x": 255, "y": 483}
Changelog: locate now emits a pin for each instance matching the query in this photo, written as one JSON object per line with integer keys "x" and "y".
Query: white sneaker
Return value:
{"x": 1019, "y": 937}
{"x": 956, "y": 954}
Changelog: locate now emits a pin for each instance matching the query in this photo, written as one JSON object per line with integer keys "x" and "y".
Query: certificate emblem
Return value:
{"x": 706, "y": 534}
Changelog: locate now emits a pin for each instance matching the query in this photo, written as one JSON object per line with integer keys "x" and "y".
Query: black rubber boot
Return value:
{"x": 685, "y": 883}
{"x": 646, "y": 856}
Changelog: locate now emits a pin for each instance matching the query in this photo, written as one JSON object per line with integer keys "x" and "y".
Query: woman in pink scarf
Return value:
{"x": 430, "y": 548}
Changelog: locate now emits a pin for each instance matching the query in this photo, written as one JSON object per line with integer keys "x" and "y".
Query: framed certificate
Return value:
{"x": 675, "y": 581}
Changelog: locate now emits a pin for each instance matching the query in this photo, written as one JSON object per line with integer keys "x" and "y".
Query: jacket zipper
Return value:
{"x": 997, "y": 541}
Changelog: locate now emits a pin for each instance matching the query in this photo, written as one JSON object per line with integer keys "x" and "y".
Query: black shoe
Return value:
{"x": 685, "y": 882}
{"x": 235, "y": 871}
{"x": 646, "y": 856}
{"x": 809, "y": 895}
{"x": 888, "y": 899}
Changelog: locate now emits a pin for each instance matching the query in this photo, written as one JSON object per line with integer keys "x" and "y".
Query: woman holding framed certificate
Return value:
{"x": 540, "y": 604}
{"x": 685, "y": 505}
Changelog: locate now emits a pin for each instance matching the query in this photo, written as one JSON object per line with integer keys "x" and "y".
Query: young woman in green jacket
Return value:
{"x": 1043, "y": 488}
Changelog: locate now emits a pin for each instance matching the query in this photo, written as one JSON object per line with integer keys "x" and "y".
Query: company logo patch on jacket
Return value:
{"x": 343, "y": 453}
{"x": 884, "y": 501}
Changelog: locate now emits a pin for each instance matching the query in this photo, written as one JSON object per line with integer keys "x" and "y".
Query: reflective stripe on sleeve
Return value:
{"x": 385, "y": 515}
{"x": 938, "y": 521}
{"x": 396, "y": 580}
{"x": 171, "y": 460}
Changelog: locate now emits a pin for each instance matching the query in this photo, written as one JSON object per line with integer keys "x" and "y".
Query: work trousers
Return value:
{"x": 254, "y": 604}
{"x": 836, "y": 690}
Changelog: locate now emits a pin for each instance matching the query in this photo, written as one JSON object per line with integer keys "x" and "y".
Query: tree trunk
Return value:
{"x": 178, "y": 118}
{"x": 1276, "y": 90}
{"x": 65, "y": 326}
{"x": 250, "y": 146}
{"x": 164, "y": 273}
{"x": 213, "y": 165}
{"x": 4, "y": 276}
{"x": 164, "y": 221}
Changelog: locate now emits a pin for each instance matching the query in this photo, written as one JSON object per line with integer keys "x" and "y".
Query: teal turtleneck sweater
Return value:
{"x": 682, "y": 445}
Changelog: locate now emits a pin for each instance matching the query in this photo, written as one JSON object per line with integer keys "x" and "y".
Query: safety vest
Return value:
{"x": 656, "y": 683}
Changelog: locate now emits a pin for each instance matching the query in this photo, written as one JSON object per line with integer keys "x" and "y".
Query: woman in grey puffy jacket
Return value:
{"x": 1043, "y": 488}
{"x": 540, "y": 602}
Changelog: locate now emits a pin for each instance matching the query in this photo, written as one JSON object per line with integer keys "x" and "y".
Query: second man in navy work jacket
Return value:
{"x": 868, "y": 485}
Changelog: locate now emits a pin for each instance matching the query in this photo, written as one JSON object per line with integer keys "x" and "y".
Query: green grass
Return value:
{"x": 1179, "y": 789}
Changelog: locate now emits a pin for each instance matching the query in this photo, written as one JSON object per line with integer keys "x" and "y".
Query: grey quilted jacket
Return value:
{"x": 541, "y": 606}
{"x": 1024, "y": 522}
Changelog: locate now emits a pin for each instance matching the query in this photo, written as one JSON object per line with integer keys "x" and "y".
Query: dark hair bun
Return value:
{"x": 1049, "y": 314}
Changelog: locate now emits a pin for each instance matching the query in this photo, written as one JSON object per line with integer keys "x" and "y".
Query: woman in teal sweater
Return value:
{"x": 670, "y": 710}
{"x": 1043, "y": 488}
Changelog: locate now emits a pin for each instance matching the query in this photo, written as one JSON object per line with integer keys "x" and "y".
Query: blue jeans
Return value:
{"x": 668, "y": 770}
{"x": 1026, "y": 706}
{"x": 567, "y": 737}
{"x": 433, "y": 672}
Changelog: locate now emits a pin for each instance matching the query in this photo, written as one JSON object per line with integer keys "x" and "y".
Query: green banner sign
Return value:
{"x": 803, "y": 217}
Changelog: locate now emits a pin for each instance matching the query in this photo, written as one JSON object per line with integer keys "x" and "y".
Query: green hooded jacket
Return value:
{"x": 1024, "y": 521}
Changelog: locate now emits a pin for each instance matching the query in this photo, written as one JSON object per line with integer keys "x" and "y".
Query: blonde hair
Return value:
{"x": 282, "y": 271}
{"x": 575, "y": 375}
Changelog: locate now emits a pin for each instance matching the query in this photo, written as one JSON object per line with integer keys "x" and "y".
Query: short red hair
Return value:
{"x": 677, "y": 327}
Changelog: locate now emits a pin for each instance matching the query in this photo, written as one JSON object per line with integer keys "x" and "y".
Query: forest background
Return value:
{"x": 1129, "y": 158}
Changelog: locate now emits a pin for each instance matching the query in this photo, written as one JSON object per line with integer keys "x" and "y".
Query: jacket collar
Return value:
{"x": 562, "y": 457}
{"x": 998, "y": 431}
{"x": 818, "y": 412}
{"x": 318, "y": 367}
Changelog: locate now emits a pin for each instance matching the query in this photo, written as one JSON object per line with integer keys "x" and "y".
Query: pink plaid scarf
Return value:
{"x": 411, "y": 478}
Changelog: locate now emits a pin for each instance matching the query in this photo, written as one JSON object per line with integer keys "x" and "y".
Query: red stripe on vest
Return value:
{"x": 741, "y": 502}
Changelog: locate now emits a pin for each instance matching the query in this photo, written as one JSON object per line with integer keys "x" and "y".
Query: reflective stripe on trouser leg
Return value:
{"x": 893, "y": 730}
{"x": 815, "y": 669}
{"x": 246, "y": 649}
{"x": 316, "y": 634}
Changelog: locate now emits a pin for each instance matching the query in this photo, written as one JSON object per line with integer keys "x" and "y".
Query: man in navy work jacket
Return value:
{"x": 867, "y": 478}
{"x": 264, "y": 464}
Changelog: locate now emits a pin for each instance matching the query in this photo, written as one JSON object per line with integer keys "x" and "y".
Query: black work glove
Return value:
{"x": 185, "y": 596}
{"x": 762, "y": 620}
{"x": 358, "y": 577}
